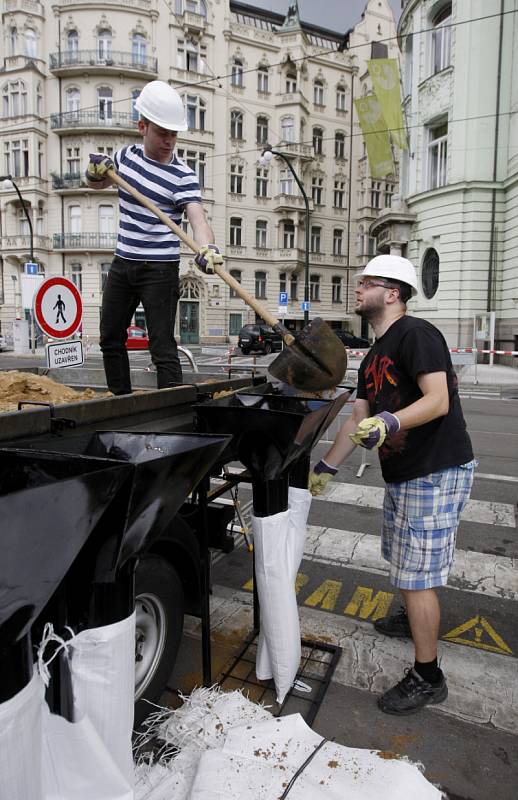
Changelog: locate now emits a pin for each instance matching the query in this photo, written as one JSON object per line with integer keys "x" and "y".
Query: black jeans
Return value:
{"x": 156, "y": 285}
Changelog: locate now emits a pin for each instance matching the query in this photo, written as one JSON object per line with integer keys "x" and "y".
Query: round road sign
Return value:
{"x": 58, "y": 308}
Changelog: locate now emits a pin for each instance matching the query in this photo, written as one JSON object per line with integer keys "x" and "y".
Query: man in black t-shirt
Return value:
{"x": 408, "y": 408}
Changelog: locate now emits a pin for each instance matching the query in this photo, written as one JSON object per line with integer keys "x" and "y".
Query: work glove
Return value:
{"x": 372, "y": 431}
{"x": 320, "y": 477}
{"x": 206, "y": 257}
{"x": 98, "y": 166}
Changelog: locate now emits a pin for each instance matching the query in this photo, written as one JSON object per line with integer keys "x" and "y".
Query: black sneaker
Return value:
{"x": 396, "y": 625}
{"x": 411, "y": 694}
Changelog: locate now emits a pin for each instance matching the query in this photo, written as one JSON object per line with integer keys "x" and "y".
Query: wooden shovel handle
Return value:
{"x": 218, "y": 269}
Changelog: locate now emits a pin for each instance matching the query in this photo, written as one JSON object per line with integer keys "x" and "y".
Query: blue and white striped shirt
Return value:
{"x": 142, "y": 236}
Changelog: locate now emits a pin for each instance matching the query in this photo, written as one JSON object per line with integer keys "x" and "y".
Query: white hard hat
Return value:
{"x": 394, "y": 268}
{"x": 160, "y": 103}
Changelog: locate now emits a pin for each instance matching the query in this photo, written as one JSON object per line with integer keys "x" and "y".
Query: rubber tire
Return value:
{"x": 245, "y": 351}
{"x": 267, "y": 349}
{"x": 158, "y": 579}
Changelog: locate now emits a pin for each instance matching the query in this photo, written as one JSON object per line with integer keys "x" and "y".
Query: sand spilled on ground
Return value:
{"x": 16, "y": 386}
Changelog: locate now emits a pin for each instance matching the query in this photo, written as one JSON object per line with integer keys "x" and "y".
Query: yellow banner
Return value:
{"x": 384, "y": 73}
{"x": 376, "y": 136}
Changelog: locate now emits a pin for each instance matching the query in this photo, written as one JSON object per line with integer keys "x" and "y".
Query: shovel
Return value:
{"x": 314, "y": 360}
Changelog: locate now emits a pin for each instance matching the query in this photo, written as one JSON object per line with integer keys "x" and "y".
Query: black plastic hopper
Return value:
{"x": 49, "y": 505}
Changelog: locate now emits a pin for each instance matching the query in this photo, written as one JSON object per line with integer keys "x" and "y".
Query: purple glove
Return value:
{"x": 98, "y": 166}
{"x": 206, "y": 257}
{"x": 372, "y": 431}
{"x": 323, "y": 466}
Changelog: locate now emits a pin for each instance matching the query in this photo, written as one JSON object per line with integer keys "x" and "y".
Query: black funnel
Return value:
{"x": 49, "y": 505}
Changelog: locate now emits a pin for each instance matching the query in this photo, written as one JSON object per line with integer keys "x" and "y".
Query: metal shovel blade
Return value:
{"x": 315, "y": 361}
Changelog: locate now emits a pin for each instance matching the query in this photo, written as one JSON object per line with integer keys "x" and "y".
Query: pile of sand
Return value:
{"x": 16, "y": 386}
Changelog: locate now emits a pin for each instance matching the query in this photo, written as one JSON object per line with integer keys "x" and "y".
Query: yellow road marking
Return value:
{"x": 365, "y": 605}
{"x": 325, "y": 595}
{"x": 479, "y": 625}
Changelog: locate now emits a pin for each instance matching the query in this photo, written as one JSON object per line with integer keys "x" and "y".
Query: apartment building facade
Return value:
{"x": 456, "y": 217}
{"x": 72, "y": 71}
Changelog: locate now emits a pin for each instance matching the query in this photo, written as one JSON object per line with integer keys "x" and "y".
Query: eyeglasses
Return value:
{"x": 363, "y": 284}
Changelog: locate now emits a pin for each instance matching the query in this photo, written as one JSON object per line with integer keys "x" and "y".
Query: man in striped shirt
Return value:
{"x": 145, "y": 268}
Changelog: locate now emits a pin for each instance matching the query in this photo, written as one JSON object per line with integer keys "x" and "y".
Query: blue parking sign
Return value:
{"x": 283, "y": 298}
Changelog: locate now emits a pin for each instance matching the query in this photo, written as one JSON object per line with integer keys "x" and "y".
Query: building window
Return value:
{"x": 236, "y": 178}
{"x": 389, "y": 191}
{"x": 104, "y": 45}
{"x": 408, "y": 50}
{"x": 260, "y": 285}
{"x": 288, "y": 129}
{"x": 291, "y": 83}
{"x": 316, "y": 237}
{"x": 39, "y": 100}
{"x": 261, "y": 233}
{"x": 74, "y": 219}
{"x": 314, "y": 288}
{"x": 318, "y": 93}
{"x": 430, "y": 273}
{"x": 236, "y": 274}
{"x": 437, "y": 155}
{"x": 340, "y": 98}
{"x": 16, "y": 154}
{"x": 339, "y": 194}
{"x": 294, "y": 287}
{"x": 14, "y": 99}
{"x": 13, "y": 41}
{"x": 191, "y": 55}
{"x": 441, "y": 39}
{"x": 288, "y": 235}
{"x": 339, "y": 145}
{"x": 40, "y": 158}
{"x": 338, "y": 242}
{"x": 31, "y": 47}
{"x": 197, "y": 162}
{"x": 286, "y": 181}
{"x": 236, "y": 231}
{"x": 317, "y": 190}
{"x": 236, "y": 124}
{"x": 105, "y": 103}
{"x": 318, "y": 138}
{"x": 135, "y": 116}
{"x": 105, "y": 268}
{"x": 235, "y": 323}
{"x": 336, "y": 289}
{"x": 23, "y": 222}
{"x": 72, "y": 46}
{"x": 73, "y": 160}
{"x": 262, "y": 79}
{"x": 261, "y": 182}
{"x": 262, "y": 130}
{"x": 196, "y": 108}
{"x": 72, "y": 101}
{"x": 76, "y": 276}
{"x": 106, "y": 220}
{"x": 138, "y": 48}
{"x": 237, "y": 73}
{"x": 282, "y": 282}
{"x": 375, "y": 194}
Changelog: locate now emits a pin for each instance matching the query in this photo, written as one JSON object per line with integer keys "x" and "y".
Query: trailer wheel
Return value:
{"x": 159, "y": 606}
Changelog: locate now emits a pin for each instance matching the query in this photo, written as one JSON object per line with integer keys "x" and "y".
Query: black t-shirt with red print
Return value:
{"x": 387, "y": 379}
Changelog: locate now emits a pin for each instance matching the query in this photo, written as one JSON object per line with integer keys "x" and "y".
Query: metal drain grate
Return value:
{"x": 317, "y": 665}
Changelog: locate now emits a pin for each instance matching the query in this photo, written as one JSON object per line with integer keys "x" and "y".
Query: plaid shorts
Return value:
{"x": 420, "y": 520}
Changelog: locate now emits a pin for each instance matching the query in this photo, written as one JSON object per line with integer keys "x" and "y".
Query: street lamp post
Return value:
{"x": 8, "y": 178}
{"x": 266, "y": 157}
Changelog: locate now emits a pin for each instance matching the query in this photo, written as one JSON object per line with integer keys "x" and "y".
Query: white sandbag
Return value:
{"x": 77, "y": 764}
{"x": 276, "y": 591}
{"x": 299, "y": 503}
{"x": 20, "y": 743}
{"x": 102, "y": 667}
{"x": 257, "y": 763}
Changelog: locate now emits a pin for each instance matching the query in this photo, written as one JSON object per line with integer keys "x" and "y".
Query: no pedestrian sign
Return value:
{"x": 58, "y": 308}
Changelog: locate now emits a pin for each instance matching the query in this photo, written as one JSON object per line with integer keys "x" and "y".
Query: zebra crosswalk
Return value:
{"x": 343, "y": 587}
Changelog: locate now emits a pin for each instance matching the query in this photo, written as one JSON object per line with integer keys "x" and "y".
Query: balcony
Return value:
{"x": 21, "y": 243}
{"x": 193, "y": 22}
{"x": 290, "y": 202}
{"x": 85, "y": 121}
{"x": 29, "y": 6}
{"x": 127, "y": 5}
{"x": 293, "y": 99}
{"x": 81, "y": 61}
{"x": 84, "y": 241}
{"x": 297, "y": 150}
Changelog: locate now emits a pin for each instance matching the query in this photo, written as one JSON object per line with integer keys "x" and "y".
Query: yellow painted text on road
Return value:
{"x": 325, "y": 595}
{"x": 364, "y": 605}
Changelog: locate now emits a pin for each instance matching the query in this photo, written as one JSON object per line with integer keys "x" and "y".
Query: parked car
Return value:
{"x": 260, "y": 337}
{"x": 348, "y": 339}
{"x": 137, "y": 338}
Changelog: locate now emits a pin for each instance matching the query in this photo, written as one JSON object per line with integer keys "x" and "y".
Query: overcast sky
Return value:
{"x": 336, "y": 15}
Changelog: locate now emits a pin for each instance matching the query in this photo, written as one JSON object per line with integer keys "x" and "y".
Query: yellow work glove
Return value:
{"x": 372, "y": 431}
{"x": 320, "y": 477}
{"x": 207, "y": 256}
{"x": 98, "y": 166}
